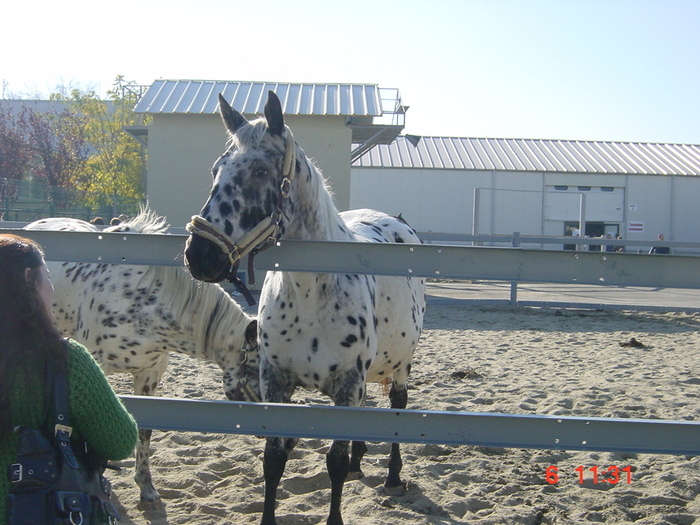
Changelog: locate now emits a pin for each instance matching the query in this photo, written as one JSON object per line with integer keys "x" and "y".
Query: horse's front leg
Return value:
{"x": 274, "y": 462}
{"x": 149, "y": 498}
{"x": 349, "y": 393}
{"x": 398, "y": 395}
{"x": 359, "y": 449}
{"x": 275, "y": 388}
{"x": 338, "y": 464}
{"x": 145, "y": 384}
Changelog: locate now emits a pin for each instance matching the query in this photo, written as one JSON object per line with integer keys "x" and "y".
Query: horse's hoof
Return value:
{"x": 151, "y": 505}
{"x": 354, "y": 475}
{"x": 399, "y": 490}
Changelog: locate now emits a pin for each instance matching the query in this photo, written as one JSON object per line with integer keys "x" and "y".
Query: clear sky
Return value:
{"x": 622, "y": 70}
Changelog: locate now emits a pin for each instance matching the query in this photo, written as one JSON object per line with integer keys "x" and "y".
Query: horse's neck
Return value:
{"x": 223, "y": 330}
{"x": 219, "y": 325}
{"x": 314, "y": 215}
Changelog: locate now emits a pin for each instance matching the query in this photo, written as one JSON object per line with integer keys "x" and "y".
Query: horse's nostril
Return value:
{"x": 205, "y": 260}
{"x": 197, "y": 249}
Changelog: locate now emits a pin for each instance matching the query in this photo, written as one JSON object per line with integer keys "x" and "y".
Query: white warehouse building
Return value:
{"x": 501, "y": 186}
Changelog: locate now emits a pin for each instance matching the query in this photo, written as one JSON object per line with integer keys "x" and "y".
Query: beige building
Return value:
{"x": 185, "y": 134}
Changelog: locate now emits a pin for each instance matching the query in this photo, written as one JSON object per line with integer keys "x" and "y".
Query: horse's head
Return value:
{"x": 241, "y": 378}
{"x": 252, "y": 183}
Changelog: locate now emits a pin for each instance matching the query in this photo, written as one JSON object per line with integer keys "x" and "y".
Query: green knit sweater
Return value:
{"x": 96, "y": 413}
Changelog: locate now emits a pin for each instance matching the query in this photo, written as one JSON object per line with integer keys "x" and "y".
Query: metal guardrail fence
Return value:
{"x": 514, "y": 264}
{"x": 418, "y": 426}
{"x": 424, "y": 260}
{"x": 516, "y": 239}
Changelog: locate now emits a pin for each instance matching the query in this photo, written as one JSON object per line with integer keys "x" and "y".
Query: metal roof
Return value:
{"x": 200, "y": 96}
{"x": 534, "y": 155}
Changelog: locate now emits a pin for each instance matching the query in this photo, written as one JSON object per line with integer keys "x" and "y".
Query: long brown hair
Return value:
{"x": 27, "y": 332}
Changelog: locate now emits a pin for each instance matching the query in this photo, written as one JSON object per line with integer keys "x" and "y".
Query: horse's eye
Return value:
{"x": 259, "y": 172}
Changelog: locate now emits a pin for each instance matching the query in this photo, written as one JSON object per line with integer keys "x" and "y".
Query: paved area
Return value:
{"x": 563, "y": 295}
{"x": 548, "y": 294}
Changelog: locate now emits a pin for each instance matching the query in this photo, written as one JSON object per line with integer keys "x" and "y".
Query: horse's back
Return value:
{"x": 61, "y": 224}
{"x": 92, "y": 302}
{"x": 376, "y": 226}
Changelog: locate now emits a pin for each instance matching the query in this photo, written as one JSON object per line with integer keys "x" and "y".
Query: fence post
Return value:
{"x": 514, "y": 284}
{"x": 475, "y": 216}
{"x": 582, "y": 221}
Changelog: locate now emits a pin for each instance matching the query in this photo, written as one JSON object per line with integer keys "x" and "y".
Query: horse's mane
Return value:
{"x": 147, "y": 221}
{"x": 249, "y": 135}
{"x": 206, "y": 308}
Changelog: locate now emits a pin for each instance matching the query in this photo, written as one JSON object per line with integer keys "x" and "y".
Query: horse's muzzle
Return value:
{"x": 205, "y": 260}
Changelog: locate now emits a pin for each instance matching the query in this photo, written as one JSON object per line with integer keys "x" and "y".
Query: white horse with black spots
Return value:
{"x": 327, "y": 332}
{"x": 131, "y": 317}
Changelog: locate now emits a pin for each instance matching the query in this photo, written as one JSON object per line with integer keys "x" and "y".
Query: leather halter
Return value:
{"x": 262, "y": 236}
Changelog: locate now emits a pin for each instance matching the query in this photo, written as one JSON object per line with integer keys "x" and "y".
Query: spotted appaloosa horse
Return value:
{"x": 328, "y": 332}
{"x": 130, "y": 317}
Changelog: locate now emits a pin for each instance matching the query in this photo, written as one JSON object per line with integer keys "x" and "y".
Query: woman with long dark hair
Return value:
{"x": 28, "y": 342}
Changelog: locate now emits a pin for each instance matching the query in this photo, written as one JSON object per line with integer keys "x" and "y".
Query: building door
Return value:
{"x": 593, "y": 229}
{"x": 603, "y": 203}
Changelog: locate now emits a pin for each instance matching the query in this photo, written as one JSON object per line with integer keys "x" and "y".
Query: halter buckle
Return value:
{"x": 234, "y": 255}
{"x": 285, "y": 187}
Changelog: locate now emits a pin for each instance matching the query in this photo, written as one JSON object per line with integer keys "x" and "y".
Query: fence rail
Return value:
{"x": 580, "y": 243}
{"x": 424, "y": 260}
{"x": 506, "y": 430}
{"x": 417, "y": 426}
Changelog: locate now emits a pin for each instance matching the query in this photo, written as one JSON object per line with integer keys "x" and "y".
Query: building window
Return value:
{"x": 561, "y": 188}
{"x": 584, "y": 188}
{"x": 607, "y": 188}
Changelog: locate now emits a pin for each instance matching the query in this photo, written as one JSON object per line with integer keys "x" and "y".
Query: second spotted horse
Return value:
{"x": 131, "y": 317}
{"x": 323, "y": 331}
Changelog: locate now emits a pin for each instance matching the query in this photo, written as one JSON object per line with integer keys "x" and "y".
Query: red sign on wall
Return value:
{"x": 635, "y": 226}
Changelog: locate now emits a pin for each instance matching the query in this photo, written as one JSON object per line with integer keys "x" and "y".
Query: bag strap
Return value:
{"x": 62, "y": 428}
{"x": 48, "y": 392}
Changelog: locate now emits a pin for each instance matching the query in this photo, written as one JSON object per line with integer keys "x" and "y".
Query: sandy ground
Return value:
{"x": 470, "y": 358}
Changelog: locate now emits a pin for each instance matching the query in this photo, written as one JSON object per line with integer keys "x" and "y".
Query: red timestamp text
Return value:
{"x": 611, "y": 475}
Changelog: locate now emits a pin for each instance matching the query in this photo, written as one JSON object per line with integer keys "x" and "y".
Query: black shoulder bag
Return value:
{"x": 49, "y": 483}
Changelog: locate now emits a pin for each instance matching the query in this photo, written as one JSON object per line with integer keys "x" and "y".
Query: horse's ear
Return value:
{"x": 232, "y": 118}
{"x": 273, "y": 114}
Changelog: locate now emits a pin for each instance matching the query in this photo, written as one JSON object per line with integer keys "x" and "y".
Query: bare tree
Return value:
{"x": 15, "y": 155}
{"x": 57, "y": 139}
